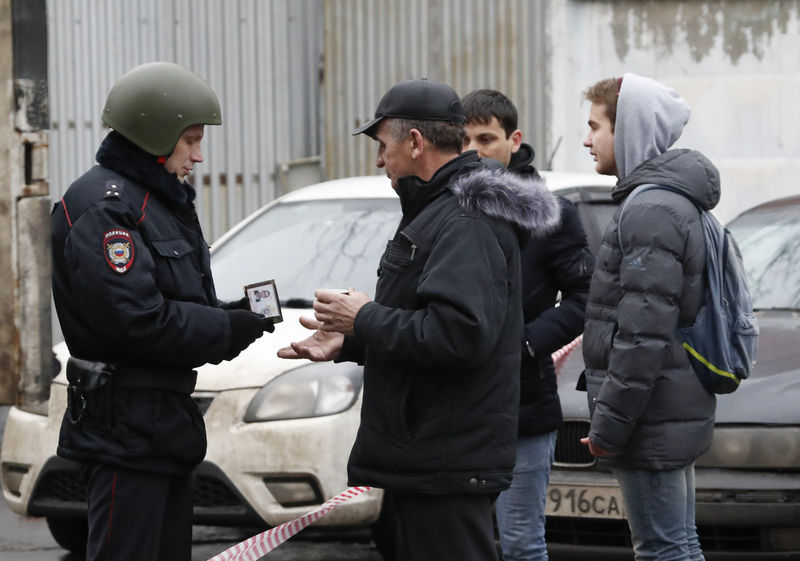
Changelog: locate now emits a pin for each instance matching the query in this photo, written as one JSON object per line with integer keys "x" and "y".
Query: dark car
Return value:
{"x": 748, "y": 484}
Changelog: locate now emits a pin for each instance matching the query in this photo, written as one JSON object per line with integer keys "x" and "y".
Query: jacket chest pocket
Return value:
{"x": 402, "y": 261}
{"x": 177, "y": 274}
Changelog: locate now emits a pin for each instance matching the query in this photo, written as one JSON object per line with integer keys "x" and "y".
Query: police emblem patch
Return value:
{"x": 118, "y": 247}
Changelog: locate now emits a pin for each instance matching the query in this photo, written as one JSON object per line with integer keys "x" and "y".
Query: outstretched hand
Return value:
{"x": 318, "y": 347}
{"x": 595, "y": 450}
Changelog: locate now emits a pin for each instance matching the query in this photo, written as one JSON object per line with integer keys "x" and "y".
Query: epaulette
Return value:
{"x": 98, "y": 184}
{"x": 114, "y": 188}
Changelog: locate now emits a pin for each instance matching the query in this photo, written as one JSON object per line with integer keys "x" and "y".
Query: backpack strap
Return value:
{"x": 640, "y": 189}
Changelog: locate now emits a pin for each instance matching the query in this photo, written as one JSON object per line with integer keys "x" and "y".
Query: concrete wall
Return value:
{"x": 736, "y": 62}
{"x": 25, "y": 355}
{"x": 8, "y": 332}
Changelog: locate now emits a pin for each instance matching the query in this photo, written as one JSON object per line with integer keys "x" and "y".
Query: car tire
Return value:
{"x": 69, "y": 533}
{"x": 384, "y": 532}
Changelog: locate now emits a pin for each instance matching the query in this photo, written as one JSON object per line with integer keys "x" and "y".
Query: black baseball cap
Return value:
{"x": 420, "y": 100}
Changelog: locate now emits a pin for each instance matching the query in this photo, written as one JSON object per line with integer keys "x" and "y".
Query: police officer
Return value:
{"x": 135, "y": 298}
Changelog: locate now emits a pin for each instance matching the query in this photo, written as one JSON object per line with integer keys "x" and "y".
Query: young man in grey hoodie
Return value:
{"x": 650, "y": 416}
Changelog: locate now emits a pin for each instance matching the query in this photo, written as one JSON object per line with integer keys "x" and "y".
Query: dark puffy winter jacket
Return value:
{"x": 441, "y": 341}
{"x": 647, "y": 403}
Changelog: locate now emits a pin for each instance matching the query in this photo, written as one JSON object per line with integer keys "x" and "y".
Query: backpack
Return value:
{"x": 721, "y": 343}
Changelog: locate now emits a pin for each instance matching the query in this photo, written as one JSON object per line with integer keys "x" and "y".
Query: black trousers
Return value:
{"x": 443, "y": 527}
{"x": 138, "y": 516}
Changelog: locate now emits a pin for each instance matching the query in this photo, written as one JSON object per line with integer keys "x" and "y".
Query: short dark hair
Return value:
{"x": 605, "y": 92}
{"x": 481, "y": 105}
{"x": 446, "y": 137}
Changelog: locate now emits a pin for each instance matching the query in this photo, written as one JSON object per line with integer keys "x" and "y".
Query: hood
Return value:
{"x": 522, "y": 161}
{"x": 689, "y": 171}
{"x": 522, "y": 201}
{"x": 650, "y": 118}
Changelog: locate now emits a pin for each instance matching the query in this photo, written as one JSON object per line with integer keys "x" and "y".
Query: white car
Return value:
{"x": 279, "y": 431}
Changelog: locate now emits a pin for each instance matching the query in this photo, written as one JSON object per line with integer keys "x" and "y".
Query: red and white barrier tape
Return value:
{"x": 256, "y": 547}
{"x": 564, "y": 351}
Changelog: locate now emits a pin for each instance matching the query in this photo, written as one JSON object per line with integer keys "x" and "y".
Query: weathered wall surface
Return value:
{"x": 736, "y": 62}
{"x": 8, "y": 331}
{"x": 25, "y": 356}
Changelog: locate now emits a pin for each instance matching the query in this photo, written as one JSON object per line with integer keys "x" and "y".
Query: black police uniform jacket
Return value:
{"x": 560, "y": 262}
{"x": 441, "y": 341}
{"x": 132, "y": 286}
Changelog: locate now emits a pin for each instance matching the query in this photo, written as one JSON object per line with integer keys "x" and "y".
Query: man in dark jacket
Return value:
{"x": 651, "y": 417}
{"x": 558, "y": 263}
{"x": 440, "y": 343}
{"x": 135, "y": 298}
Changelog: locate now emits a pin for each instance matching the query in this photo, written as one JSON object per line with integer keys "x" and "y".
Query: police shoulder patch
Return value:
{"x": 118, "y": 248}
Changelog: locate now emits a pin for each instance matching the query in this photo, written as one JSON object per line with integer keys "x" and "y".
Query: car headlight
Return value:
{"x": 312, "y": 390}
{"x": 753, "y": 448}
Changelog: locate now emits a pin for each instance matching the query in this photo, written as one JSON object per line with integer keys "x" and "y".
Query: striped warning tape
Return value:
{"x": 256, "y": 547}
{"x": 564, "y": 351}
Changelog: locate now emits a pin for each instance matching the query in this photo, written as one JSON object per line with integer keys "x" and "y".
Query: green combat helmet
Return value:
{"x": 153, "y": 104}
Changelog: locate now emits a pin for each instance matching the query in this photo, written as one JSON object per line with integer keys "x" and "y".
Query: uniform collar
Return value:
{"x": 119, "y": 154}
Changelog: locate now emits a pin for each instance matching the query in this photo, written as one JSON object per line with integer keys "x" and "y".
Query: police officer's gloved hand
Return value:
{"x": 241, "y": 304}
{"x": 246, "y": 327}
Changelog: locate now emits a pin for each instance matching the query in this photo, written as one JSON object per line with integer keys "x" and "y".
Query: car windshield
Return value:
{"x": 770, "y": 242}
{"x": 307, "y": 245}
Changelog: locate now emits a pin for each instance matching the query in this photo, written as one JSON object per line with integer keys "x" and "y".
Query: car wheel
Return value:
{"x": 69, "y": 533}
{"x": 384, "y": 532}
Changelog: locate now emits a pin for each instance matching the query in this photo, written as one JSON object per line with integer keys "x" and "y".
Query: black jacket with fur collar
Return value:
{"x": 441, "y": 341}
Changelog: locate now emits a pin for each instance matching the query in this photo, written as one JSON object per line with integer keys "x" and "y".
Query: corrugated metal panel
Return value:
{"x": 372, "y": 44}
{"x": 261, "y": 57}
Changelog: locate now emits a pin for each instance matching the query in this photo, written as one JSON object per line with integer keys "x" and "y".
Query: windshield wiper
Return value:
{"x": 297, "y": 303}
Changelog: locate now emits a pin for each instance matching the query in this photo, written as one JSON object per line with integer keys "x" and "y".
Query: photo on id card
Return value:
{"x": 263, "y": 299}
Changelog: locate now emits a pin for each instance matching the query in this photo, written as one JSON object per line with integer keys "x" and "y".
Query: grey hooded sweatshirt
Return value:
{"x": 646, "y": 402}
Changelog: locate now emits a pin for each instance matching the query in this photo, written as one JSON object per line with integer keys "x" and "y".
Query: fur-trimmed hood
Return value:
{"x": 523, "y": 201}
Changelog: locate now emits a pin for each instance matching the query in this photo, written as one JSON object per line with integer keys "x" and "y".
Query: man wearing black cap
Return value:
{"x": 440, "y": 343}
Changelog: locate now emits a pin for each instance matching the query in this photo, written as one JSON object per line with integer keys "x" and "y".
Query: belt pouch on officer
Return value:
{"x": 90, "y": 399}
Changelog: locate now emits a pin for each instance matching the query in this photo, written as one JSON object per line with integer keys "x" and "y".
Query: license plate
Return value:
{"x": 584, "y": 501}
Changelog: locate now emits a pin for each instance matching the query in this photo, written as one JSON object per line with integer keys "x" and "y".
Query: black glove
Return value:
{"x": 246, "y": 327}
{"x": 241, "y": 304}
